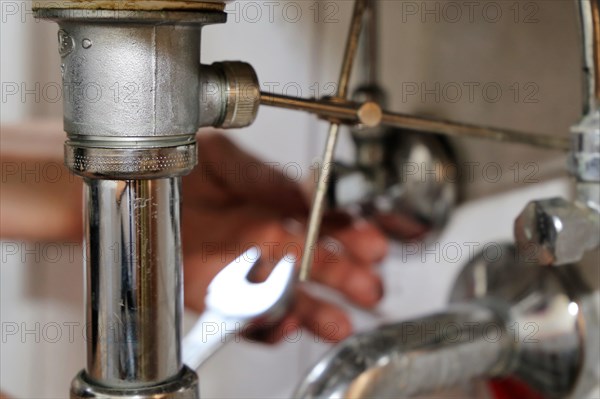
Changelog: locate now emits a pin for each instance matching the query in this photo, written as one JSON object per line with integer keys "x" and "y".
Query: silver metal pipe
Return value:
{"x": 589, "y": 11}
{"x": 414, "y": 357}
{"x": 134, "y": 282}
{"x": 540, "y": 328}
{"x": 135, "y": 101}
{"x": 585, "y": 150}
{"x": 132, "y": 89}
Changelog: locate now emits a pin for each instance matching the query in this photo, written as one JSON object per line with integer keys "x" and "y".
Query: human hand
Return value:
{"x": 233, "y": 201}
{"x": 223, "y": 214}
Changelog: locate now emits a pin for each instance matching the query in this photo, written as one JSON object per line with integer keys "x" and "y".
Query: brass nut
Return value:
{"x": 242, "y": 94}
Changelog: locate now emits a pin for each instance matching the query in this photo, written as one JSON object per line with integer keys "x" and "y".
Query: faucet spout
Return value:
{"x": 508, "y": 318}
{"x": 414, "y": 357}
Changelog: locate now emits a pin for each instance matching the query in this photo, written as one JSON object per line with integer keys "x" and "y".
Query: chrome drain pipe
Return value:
{"x": 135, "y": 96}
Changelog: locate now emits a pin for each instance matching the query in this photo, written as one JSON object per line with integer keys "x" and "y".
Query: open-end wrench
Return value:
{"x": 233, "y": 303}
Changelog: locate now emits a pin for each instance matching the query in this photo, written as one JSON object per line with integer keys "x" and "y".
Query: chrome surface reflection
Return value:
{"x": 405, "y": 182}
{"x": 413, "y": 357}
{"x": 509, "y": 318}
{"x": 134, "y": 289}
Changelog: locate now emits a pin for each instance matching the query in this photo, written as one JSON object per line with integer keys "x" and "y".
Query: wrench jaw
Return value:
{"x": 234, "y": 274}
{"x": 235, "y": 305}
{"x": 283, "y": 284}
{"x": 232, "y": 295}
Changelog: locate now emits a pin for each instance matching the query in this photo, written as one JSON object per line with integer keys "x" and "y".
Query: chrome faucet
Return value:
{"x": 508, "y": 318}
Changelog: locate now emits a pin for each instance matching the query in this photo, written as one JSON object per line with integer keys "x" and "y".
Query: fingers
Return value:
{"x": 340, "y": 271}
{"x": 361, "y": 239}
{"x": 211, "y": 240}
{"x": 344, "y": 263}
{"x": 234, "y": 229}
{"x": 321, "y": 318}
{"x": 402, "y": 227}
{"x": 332, "y": 264}
{"x": 44, "y": 210}
{"x": 326, "y": 321}
{"x": 198, "y": 273}
{"x": 286, "y": 329}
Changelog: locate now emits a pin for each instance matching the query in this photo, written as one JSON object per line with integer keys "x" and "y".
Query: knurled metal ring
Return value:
{"x": 132, "y": 5}
{"x": 130, "y": 163}
{"x": 124, "y": 16}
{"x": 242, "y": 94}
{"x": 184, "y": 386}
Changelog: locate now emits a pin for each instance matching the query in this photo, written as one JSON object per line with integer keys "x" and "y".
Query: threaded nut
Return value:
{"x": 556, "y": 231}
{"x": 242, "y": 94}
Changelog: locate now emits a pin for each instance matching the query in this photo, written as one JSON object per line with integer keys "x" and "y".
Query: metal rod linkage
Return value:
{"x": 371, "y": 58}
{"x": 351, "y": 113}
{"x": 590, "y": 34}
{"x": 455, "y": 129}
{"x": 314, "y": 224}
{"x": 338, "y": 110}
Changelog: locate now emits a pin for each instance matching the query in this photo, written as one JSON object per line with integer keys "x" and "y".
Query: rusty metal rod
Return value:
{"x": 371, "y": 43}
{"x": 349, "y": 113}
{"x": 339, "y": 110}
{"x": 318, "y": 208}
{"x": 335, "y": 110}
{"x": 455, "y": 129}
{"x": 360, "y": 7}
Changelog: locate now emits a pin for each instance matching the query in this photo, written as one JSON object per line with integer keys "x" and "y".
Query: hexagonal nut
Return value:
{"x": 556, "y": 231}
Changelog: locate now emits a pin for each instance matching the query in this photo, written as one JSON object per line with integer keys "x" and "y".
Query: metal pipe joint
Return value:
{"x": 540, "y": 329}
{"x": 556, "y": 231}
{"x": 230, "y": 95}
{"x": 136, "y": 95}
